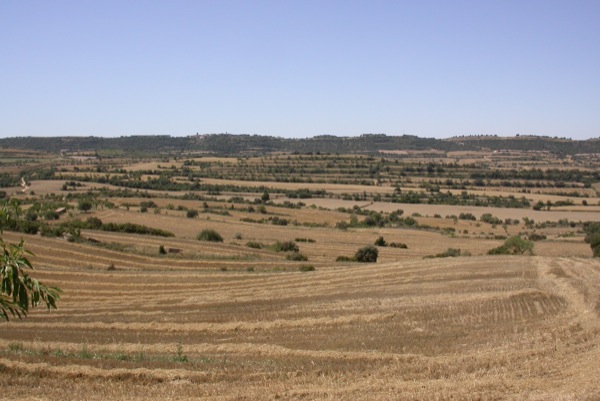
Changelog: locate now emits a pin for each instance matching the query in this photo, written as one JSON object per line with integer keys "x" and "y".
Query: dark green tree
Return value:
{"x": 367, "y": 254}
{"x": 592, "y": 237}
{"x": 210, "y": 236}
{"x": 380, "y": 242}
{"x": 85, "y": 205}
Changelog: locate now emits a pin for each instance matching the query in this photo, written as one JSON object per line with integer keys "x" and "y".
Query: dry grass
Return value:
{"x": 466, "y": 328}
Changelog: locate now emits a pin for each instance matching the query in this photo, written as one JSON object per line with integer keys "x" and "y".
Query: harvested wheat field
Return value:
{"x": 473, "y": 328}
{"x": 276, "y": 306}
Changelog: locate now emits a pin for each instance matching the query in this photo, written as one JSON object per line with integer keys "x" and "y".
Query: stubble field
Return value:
{"x": 230, "y": 321}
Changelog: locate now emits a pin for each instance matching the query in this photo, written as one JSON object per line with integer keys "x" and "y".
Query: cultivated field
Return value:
{"x": 161, "y": 315}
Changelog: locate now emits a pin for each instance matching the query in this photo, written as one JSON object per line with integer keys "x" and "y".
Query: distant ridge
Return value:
{"x": 230, "y": 144}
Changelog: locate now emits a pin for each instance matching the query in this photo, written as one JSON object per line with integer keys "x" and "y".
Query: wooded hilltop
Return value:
{"x": 230, "y": 144}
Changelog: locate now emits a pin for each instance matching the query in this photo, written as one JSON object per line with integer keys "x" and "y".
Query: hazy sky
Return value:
{"x": 300, "y": 68}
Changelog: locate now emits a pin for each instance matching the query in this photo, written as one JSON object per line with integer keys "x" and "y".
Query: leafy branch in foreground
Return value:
{"x": 19, "y": 291}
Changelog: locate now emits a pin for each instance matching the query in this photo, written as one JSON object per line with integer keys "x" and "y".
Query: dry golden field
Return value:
{"x": 466, "y": 328}
{"x": 228, "y": 321}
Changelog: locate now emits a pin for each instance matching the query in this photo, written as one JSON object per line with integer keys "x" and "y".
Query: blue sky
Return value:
{"x": 300, "y": 68}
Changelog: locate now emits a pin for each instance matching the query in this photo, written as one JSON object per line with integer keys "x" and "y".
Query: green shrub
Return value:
{"x": 449, "y": 253}
{"x": 285, "y": 246}
{"x": 279, "y": 221}
{"x": 367, "y": 254}
{"x": 305, "y": 240}
{"x": 31, "y": 215}
{"x": 344, "y": 259}
{"x": 409, "y": 221}
{"x": 132, "y": 228}
{"x": 296, "y": 256}
{"x": 342, "y": 225}
{"x": 536, "y": 237}
{"x": 398, "y": 245}
{"x": 380, "y": 242}
{"x": 51, "y": 215}
{"x": 307, "y": 268}
{"x": 16, "y": 347}
{"x": 254, "y": 244}
{"x": 179, "y": 355}
{"x": 592, "y": 237}
{"x": 191, "y": 213}
{"x": 93, "y": 223}
{"x": 488, "y": 218}
{"x": 210, "y": 236}
{"x": 513, "y": 246}
{"x": 467, "y": 216}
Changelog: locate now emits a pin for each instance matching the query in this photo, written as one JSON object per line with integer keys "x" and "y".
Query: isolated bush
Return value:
{"x": 344, "y": 259}
{"x": 285, "y": 246}
{"x": 307, "y": 268}
{"x": 488, "y": 218}
{"x": 380, "y": 242}
{"x": 93, "y": 223}
{"x": 367, "y": 254}
{"x": 373, "y": 219}
{"x": 536, "y": 237}
{"x": 210, "y": 236}
{"x": 342, "y": 225}
{"x": 161, "y": 250}
{"x": 254, "y": 244}
{"x": 148, "y": 204}
{"x": 450, "y": 253}
{"x": 409, "y": 221}
{"x": 513, "y": 246}
{"x": 467, "y": 216}
{"x": 305, "y": 240}
{"x": 398, "y": 245}
{"x": 296, "y": 256}
{"x": 84, "y": 205}
{"x": 191, "y": 213}
{"x": 594, "y": 241}
{"x": 279, "y": 221}
{"x": 592, "y": 237}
